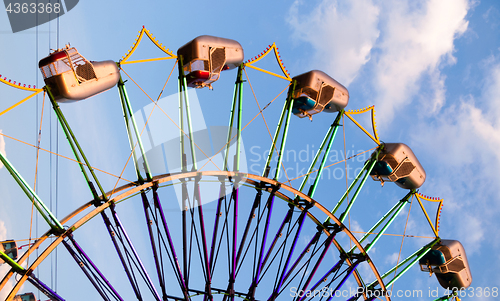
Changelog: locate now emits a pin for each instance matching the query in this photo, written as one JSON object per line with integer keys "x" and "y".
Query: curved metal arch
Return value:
{"x": 130, "y": 189}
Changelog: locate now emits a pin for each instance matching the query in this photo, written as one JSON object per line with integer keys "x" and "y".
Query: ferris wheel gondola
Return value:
{"x": 397, "y": 163}
{"x": 9, "y": 247}
{"x": 315, "y": 92}
{"x": 71, "y": 77}
{"x": 25, "y": 297}
{"x": 205, "y": 57}
{"x": 448, "y": 261}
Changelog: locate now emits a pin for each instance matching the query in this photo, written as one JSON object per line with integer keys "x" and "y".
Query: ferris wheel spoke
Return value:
{"x": 85, "y": 263}
{"x": 314, "y": 240}
{"x": 348, "y": 273}
{"x": 197, "y": 197}
{"x": 363, "y": 176}
{"x": 149, "y": 222}
{"x": 278, "y": 234}
{"x": 77, "y": 150}
{"x": 172, "y": 255}
{"x": 224, "y": 233}
{"x": 258, "y": 264}
{"x": 193, "y": 235}
{"x": 47, "y": 291}
{"x": 279, "y": 251}
{"x": 233, "y": 263}
{"x": 305, "y": 265}
{"x": 336, "y": 229}
{"x": 184, "y": 234}
{"x": 128, "y": 272}
{"x": 251, "y": 216}
{"x": 278, "y": 285}
{"x": 128, "y": 255}
{"x": 222, "y": 195}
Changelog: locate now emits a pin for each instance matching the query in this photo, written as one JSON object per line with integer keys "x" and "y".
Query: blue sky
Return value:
{"x": 431, "y": 68}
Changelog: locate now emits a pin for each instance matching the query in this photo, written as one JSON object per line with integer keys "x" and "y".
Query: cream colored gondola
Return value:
{"x": 315, "y": 92}
{"x": 71, "y": 77}
{"x": 448, "y": 261}
{"x": 397, "y": 163}
{"x": 205, "y": 57}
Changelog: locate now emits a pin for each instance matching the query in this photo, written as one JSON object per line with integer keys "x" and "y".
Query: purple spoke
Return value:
{"x": 47, "y": 291}
{"x": 289, "y": 257}
{"x": 253, "y": 286}
{"x": 203, "y": 239}
{"x": 222, "y": 193}
{"x": 249, "y": 222}
{"x": 312, "y": 241}
{"x": 129, "y": 242}
{"x": 130, "y": 277}
{"x": 85, "y": 271}
{"x": 184, "y": 235}
{"x": 256, "y": 202}
{"x": 80, "y": 250}
{"x": 235, "y": 232}
{"x": 277, "y": 236}
{"x": 171, "y": 244}
{"x": 149, "y": 222}
{"x": 349, "y": 272}
{"x": 316, "y": 266}
{"x": 335, "y": 268}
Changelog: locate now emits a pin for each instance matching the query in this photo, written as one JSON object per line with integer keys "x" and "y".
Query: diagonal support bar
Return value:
{"x": 132, "y": 129}
{"x": 363, "y": 176}
{"x": 47, "y": 215}
{"x": 237, "y": 100}
{"x": 329, "y": 138}
{"x": 287, "y": 108}
{"x": 184, "y": 101}
{"x": 77, "y": 150}
{"x": 391, "y": 214}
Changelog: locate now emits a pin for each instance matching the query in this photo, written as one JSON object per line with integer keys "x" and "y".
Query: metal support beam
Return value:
{"x": 287, "y": 108}
{"x": 132, "y": 129}
{"x": 184, "y": 101}
{"x": 47, "y": 215}
{"x": 77, "y": 150}
{"x": 327, "y": 141}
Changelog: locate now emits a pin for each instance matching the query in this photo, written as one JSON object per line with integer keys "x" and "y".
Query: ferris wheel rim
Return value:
{"x": 133, "y": 188}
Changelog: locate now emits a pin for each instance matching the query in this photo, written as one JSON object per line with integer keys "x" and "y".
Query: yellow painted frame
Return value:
{"x": 374, "y": 137}
{"x": 278, "y": 58}
{"x": 20, "y": 102}
{"x": 18, "y": 86}
{"x": 434, "y": 227}
{"x": 138, "y": 40}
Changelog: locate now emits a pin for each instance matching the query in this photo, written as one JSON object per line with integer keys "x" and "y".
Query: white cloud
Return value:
{"x": 465, "y": 142}
{"x": 405, "y": 44}
{"x": 392, "y": 259}
{"x": 415, "y": 42}
{"x": 341, "y": 33}
{"x": 3, "y": 231}
{"x": 2, "y": 147}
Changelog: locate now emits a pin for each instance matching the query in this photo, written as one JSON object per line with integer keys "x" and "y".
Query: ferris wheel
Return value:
{"x": 210, "y": 228}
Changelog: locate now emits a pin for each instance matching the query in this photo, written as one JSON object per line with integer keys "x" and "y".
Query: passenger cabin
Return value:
{"x": 206, "y": 56}
{"x": 9, "y": 247}
{"x": 448, "y": 261}
{"x": 25, "y": 297}
{"x": 397, "y": 163}
{"x": 71, "y": 77}
{"x": 315, "y": 91}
